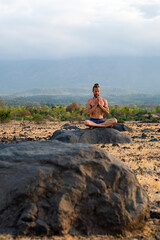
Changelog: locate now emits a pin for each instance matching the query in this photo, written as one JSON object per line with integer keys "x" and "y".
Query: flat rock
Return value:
{"x": 147, "y": 130}
{"x": 154, "y": 140}
{"x": 94, "y": 136}
{"x": 122, "y": 127}
{"x": 67, "y": 126}
{"x": 54, "y": 188}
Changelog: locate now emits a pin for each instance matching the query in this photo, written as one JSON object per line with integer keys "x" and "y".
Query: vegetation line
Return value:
{"x": 72, "y": 112}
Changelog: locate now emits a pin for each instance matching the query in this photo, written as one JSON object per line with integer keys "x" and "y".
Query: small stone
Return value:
{"x": 155, "y": 213}
{"x": 30, "y": 139}
{"x": 103, "y": 146}
{"x": 147, "y": 130}
{"x": 154, "y": 140}
{"x": 26, "y": 127}
{"x": 115, "y": 145}
{"x": 14, "y": 138}
{"x": 158, "y": 203}
{"x": 143, "y": 135}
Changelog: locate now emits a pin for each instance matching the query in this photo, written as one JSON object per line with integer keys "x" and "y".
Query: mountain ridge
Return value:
{"x": 129, "y": 73}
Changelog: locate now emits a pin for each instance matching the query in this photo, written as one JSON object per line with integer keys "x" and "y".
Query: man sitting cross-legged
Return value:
{"x": 96, "y": 106}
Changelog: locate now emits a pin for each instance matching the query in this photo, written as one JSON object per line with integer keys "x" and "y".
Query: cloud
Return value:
{"x": 60, "y": 28}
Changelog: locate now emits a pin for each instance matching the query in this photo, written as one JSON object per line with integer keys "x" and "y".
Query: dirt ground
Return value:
{"x": 142, "y": 155}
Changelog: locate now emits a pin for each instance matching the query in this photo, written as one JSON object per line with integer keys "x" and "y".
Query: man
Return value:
{"x": 96, "y": 107}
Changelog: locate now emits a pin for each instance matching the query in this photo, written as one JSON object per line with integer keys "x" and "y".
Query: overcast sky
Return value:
{"x": 42, "y": 29}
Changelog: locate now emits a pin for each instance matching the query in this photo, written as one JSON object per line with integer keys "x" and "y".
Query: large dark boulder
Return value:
{"x": 122, "y": 127}
{"x": 57, "y": 188}
{"x": 94, "y": 136}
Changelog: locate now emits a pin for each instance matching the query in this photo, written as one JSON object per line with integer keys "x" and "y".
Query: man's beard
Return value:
{"x": 96, "y": 96}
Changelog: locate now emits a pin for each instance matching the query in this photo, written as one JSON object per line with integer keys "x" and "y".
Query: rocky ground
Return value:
{"x": 142, "y": 155}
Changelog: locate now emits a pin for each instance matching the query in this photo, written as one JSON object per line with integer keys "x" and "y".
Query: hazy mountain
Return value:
{"x": 119, "y": 74}
{"x": 147, "y": 100}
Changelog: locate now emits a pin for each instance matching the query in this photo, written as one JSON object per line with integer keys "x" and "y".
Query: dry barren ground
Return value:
{"x": 142, "y": 155}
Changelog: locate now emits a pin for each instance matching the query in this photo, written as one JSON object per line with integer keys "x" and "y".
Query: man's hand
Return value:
{"x": 91, "y": 109}
{"x": 98, "y": 101}
{"x": 104, "y": 107}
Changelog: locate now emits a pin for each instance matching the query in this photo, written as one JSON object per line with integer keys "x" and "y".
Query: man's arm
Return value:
{"x": 104, "y": 107}
{"x": 91, "y": 109}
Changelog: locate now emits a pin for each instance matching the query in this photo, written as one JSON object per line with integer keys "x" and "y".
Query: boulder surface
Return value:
{"x": 122, "y": 127}
{"x": 54, "y": 188}
{"x": 94, "y": 136}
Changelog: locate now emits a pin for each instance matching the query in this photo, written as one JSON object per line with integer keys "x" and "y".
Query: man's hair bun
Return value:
{"x": 96, "y": 85}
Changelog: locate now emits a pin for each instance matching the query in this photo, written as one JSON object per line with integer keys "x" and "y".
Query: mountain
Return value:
{"x": 119, "y": 74}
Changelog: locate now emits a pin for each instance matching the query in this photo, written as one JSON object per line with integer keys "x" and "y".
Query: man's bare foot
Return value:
{"x": 110, "y": 126}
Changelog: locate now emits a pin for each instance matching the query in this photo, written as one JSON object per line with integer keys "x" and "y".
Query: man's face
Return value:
{"x": 96, "y": 92}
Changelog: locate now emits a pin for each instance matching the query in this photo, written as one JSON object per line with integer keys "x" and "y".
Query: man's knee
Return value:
{"x": 86, "y": 122}
{"x": 114, "y": 120}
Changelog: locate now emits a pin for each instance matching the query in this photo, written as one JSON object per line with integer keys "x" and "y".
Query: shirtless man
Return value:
{"x": 96, "y": 106}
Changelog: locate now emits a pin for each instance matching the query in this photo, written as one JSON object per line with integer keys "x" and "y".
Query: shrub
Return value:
{"x": 18, "y": 118}
{"x": 5, "y": 115}
{"x": 28, "y": 118}
{"x": 73, "y": 107}
{"x": 39, "y": 119}
{"x": 63, "y": 118}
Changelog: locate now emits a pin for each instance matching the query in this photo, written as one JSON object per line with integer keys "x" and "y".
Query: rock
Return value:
{"x": 135, "y": 137}
{"x": 25, "y": 127}
{"x": 14, "y": 139}
{"x": 103, "y": 146}
{"x": 158, "y": 203}
{"x": 155, "y": 212}
{"x": 154, "y": 140}
{"x": 143, "y": 135}
{"x": 115, "y": 145}
{"x": 67, "y": 126}
{"x": 2, "y": 146}
{"x": 140, "y": 147}
{"x": 54, "y": 188}
{"x": 122, "y": 127}
{"x": 29, "y": 139}
{"x": 22, "y": 135}
{"x": 94, "y": 136}
{"x": 147, "y": 130}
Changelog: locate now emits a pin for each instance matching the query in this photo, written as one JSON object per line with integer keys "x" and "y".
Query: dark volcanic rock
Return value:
{"x": 56, "y": 188}
{"x": 143, "y": 135}
{"x": 67, "y": 126}
{"x": 154, "y": 140}
{"x": 122, "y": 127}
{"x": 147, "y": 130}
{"x": 94, "y": 136}
{"x": 155, "y": 212}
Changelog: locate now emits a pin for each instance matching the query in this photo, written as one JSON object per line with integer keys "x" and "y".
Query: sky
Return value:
{"x": 55, "y": 29}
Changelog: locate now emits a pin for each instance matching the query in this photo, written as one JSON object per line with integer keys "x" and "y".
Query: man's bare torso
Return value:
{"x": 98, "y": 113}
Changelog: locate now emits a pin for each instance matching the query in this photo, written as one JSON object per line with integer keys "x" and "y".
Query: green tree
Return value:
{"x": 5, "y": 114}
{"x": 73, "y": 107}
{"x": 38, "y": 118}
